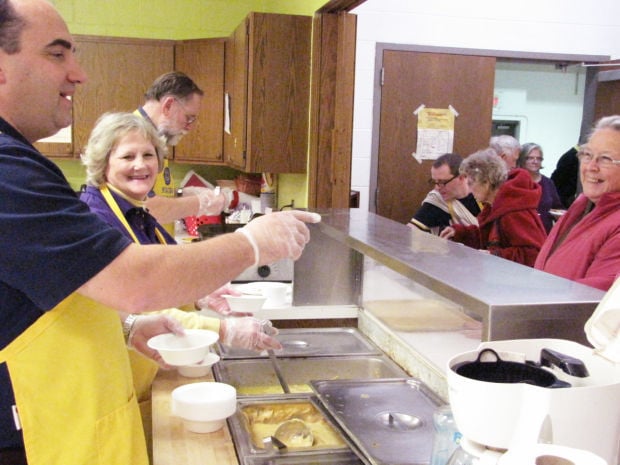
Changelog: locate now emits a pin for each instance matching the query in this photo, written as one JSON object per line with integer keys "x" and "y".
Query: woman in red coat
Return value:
{"x": 509, "y": 225}
{"x": 585, "y": 243}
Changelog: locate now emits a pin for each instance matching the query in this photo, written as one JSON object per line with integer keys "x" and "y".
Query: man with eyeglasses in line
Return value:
{"x": 450, "y": 202}
{"x": 584, "y": 245}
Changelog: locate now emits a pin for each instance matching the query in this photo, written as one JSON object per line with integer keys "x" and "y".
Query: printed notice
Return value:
{"x": 435, "y": 132}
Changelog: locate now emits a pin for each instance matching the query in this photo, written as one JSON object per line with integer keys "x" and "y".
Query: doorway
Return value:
{"x": 412, "y": 79}
{"x": 398, "y": 183}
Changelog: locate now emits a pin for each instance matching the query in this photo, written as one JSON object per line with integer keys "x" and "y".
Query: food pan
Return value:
{"x": 390, "y": 421}
{"x": 255, "y": 422}
{"x": 307, "y": 342}
{"x": 257, "y": 378}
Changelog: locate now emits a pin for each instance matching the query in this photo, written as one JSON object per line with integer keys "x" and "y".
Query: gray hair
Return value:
{"x": 109, "y": 129}
{"x": 504, "y": 143}
{"x": 607, "y": 122}
{"x": 485, "y": 166}
{"x": 525, "y": 151}
{"x": 175, "y": 84}
{"x": 11, "y": 26}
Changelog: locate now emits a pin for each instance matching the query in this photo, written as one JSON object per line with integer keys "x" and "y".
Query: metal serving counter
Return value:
{"x": 510, "y": 300}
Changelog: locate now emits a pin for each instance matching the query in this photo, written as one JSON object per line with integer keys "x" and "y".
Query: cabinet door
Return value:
{"x": 236, "y": 88}
{"x": 203, "y": 61}
{"x": 268, "y": 84}
{"x": 119, "y": 72}
{"x": 278, "y": 93}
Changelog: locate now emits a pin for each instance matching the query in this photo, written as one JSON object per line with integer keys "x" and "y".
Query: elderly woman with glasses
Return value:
{"x": 584, "y": 245}
{"x": 508, "y": 225}
{"x": 530, "y": 159}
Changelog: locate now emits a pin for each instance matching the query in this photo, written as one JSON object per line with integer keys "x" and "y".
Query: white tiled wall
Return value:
{"x": 542, "y": 26}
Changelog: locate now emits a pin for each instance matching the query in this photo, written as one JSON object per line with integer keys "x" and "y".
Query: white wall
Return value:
{"x": 547, "y": 102}
{"x": 540, "y": 26}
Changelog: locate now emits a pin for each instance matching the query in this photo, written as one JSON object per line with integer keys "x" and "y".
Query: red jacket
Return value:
{"x": 511, "y": 227}
{"x": 590, "y": 252}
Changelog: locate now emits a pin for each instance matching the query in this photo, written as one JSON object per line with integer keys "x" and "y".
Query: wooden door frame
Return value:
{"x": 600, "y": 73}
{"x": 500, "y": 54}
{"x": 331, "y": 105}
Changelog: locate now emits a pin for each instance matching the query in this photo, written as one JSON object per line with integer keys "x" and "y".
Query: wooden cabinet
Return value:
{"x": 119, "y": 71}
{"x": 203, "y": 61}
{"x": 267, "y": 85}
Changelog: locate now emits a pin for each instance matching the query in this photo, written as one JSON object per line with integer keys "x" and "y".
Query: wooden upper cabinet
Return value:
{"x": 267, "y": 86}
{"x": 203, "y": 61}
{"x": 119, "y": 73}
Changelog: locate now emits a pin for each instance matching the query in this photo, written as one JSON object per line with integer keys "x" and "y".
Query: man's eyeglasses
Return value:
{"x": 189, "y": 119}
{"x": 441, "y": 183}
{"x": 603, "y": 161}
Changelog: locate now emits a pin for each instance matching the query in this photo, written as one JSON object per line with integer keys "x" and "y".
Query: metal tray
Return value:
{"x": 256, "y": 377}
{"x": 307, "y": 342}
{"x": 253, "y": 415}
{"x": 390, "y": 421}
{"x": 346, "y": 458}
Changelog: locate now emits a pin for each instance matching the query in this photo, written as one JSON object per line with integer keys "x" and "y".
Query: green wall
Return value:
{"x": 170, "y": 19}
{"x": 177, "y": 20}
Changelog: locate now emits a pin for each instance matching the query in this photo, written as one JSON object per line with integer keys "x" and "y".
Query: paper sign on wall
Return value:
{"x": 435, "y": 132}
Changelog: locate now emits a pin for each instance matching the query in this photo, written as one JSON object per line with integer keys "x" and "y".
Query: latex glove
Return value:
{"x": 211, "y": 204}
{"x": 249, "y": 333}
{"x": 216, "y": 301}
{"x": 147, "y": 326}
{"x": 279, "y": 235}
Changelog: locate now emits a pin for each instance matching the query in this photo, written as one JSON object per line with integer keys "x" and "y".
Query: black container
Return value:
{"x": 205, "y": 231}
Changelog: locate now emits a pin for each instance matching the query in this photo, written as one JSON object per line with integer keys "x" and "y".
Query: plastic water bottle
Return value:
{"x": 446, "y": 438}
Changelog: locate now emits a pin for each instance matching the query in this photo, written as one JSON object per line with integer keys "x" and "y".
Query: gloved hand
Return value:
{"x": 249, "y": 333}
{"x": 210, "y": 203}
{"x": 216, "y": 302}
{"x": 279, "y": 235}
{"x": 145, "y": 327}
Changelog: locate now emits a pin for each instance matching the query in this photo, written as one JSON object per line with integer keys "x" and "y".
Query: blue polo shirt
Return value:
{"x": 50, "y": 244}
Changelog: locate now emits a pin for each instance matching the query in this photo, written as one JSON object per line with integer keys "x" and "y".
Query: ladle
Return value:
{"x": 276, "y": 368}
{"x": 295, "y": 433}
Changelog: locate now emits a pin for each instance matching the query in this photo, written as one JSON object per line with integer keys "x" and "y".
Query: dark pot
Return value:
{"x": 502, "y": 371}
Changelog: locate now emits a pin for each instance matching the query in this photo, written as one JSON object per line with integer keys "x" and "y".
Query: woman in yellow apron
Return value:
{"x": 122, "y": 158}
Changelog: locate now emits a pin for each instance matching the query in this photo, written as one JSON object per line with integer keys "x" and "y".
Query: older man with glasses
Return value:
{"x": 450, "y": 202}
{"x": 584, "y": 245}
{"x": 172, "y": 104}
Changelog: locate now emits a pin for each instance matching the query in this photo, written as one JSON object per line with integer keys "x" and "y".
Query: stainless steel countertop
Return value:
{"x": 498, "y": 291}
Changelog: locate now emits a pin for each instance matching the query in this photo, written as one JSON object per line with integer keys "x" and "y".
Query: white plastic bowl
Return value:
{"x": 245, "y": 303}
{"x": 189, "y": 349}
{"x": 204, "y": 407}
{"x": 199, "y": 369}
{"x": 277, "y": 293}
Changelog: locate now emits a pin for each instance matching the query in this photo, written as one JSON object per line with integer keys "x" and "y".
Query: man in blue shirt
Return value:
{"x": 66, "y": 394}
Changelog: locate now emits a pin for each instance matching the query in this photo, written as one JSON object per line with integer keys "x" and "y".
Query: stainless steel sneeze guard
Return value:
{"x": 511, "y": 300}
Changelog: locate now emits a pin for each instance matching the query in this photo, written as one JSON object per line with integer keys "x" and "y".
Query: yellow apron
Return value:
{"x": 144, "y": 369}
{"x": 73, "y": 392}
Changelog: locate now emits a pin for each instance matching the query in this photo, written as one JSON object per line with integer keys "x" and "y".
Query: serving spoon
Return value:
{"x": 294, "y": 433}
